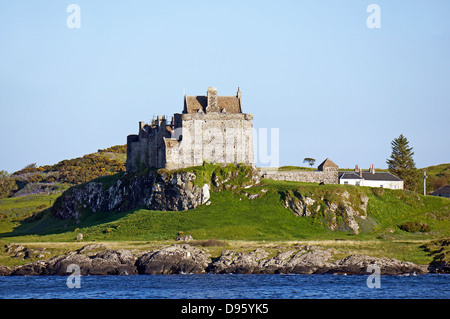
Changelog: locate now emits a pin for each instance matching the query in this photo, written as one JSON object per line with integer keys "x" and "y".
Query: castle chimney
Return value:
{"x": 212, "y": 104}
{"x": 239, "y": 93}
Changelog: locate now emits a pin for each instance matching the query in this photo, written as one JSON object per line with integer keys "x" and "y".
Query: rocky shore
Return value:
{"x": 95, "y": 259}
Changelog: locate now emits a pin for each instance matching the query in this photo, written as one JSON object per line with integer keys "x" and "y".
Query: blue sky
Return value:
{"x": 313, "y": 69}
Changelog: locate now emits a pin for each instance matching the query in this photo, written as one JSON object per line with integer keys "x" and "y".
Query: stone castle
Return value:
{"x": 211, "y": 128}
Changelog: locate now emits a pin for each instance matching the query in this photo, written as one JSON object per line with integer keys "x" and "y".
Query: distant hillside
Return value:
{"x": 47, "y": 179}
{"x": 438, "y": 176}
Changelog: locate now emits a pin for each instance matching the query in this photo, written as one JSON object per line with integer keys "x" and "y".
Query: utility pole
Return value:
{"x": 424, "y": 182}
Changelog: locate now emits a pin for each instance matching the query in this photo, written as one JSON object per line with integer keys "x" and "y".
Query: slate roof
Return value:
{"x": 349, "y": 175}
{"x": 378, "y": 176}
{"x": 443, "y": 190}
{"x": 194, "y": 103}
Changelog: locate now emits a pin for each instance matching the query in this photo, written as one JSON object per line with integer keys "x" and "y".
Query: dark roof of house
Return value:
{"x": 327, "y": 163}
{"x": 349, "y": 175}
{"x": 380, "y": 176}
{"x": 443, "y": 190}
{"x": 229, "y": 104}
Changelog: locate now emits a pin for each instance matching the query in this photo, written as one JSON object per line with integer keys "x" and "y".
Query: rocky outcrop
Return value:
{"x": 176, "y": 192}
{"x": 105, "y": 262}
{"x": 5, "y": 271}
{"x": 307, "y": 260}
{"x": 152, "y": 191}
{"x": 303, "y": 261}
{"x": 240, "y": 263}
{"x": 157, "y": 190}
{"x": 358, "y": 264}
{"x": 349, "y": 210}
{"x": 95, "y": 260}
{"x": 187, "y": 259}
{"x": 22, "y": 252}
{"x": 176, "y": 259}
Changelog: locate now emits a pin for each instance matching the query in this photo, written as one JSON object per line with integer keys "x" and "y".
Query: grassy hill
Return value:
{"x": 233, "y": 216}
{"x": 56, "y": 178}
{"x": 438, "y": 176}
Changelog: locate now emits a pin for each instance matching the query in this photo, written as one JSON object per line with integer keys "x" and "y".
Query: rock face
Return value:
{"x": 308, "y": 260}
{"x": 176, "y": 259}
{"x": 152, "y": 191}
{"x": 357, "y": 264}
{"x": 165, "y": 191}
{"x": 240, "y": 263}
{"x": 187, "y": 259}
{"x": 106, "y": 262}
{"x": 349, "y": 210}
{"x": 177, "y": 192}
{"x": 5, "y": 271}
{"x": 23, "y": 252}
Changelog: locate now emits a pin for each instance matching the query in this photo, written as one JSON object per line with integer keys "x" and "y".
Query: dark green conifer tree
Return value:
{"x": 401, "y": 163}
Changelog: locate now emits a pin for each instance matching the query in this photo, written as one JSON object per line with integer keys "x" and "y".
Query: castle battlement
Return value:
{"x": 210, "y": 128}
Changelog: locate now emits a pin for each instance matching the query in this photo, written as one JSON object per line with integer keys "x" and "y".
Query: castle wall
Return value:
{"x": 327, "y": 177}
{"x": 148, "y": 148}
{"x": 213, "y": 137}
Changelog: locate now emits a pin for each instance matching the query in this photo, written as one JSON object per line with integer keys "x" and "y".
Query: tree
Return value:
{"x": 309, "y": 160}
{"x": 7, "y": 184}
{"x": 401, "y": 162}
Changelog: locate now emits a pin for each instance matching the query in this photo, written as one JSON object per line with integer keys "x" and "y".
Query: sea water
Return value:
{"x": 213, "y": 286}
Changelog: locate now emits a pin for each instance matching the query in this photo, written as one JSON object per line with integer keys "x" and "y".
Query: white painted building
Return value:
{"x": 370, "y": 178}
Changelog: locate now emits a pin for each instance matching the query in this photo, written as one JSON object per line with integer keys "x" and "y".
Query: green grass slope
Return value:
{"x": 233, "y": 216}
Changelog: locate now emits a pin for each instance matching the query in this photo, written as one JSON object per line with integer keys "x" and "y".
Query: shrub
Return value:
{"x": 7, "y": 184}
{"x": 378, "y": 191}
{"x": 414, "y": 227}
{"x": 115, "y": 149}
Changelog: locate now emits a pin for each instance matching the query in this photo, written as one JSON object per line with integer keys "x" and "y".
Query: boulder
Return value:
{"x": 185, "y": 238}
{"x": 240, "y": 263}
{"x": 176, "y": 259}
{"x": 5, "y": 271}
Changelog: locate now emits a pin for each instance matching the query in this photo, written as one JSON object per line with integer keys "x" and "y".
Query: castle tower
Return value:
{"x": 211, "y": 128}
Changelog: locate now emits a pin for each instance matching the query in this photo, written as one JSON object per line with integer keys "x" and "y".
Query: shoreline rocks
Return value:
{"x": 187, "y": 259}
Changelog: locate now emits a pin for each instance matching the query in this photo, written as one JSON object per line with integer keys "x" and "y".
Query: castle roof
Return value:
{"x": 228, "y": 104}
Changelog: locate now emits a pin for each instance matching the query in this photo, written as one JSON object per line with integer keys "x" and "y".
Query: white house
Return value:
{"x": 370, "y": 178}
{"x": 444, "y": 191}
